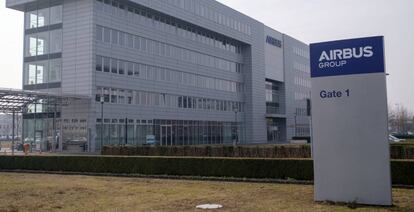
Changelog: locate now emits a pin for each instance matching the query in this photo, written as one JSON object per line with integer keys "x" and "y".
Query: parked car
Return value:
{"x": 18, "y": 147}
{"x": 394, "y": 139}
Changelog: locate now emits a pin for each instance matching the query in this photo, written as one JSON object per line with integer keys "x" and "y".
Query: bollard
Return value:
{"x": 26, "y": 148}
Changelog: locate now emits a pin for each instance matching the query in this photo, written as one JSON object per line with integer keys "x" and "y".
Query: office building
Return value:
{"x": 180, "y": 72}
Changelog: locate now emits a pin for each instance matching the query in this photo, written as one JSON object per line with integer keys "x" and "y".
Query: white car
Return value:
{"x": 394, "y": 139}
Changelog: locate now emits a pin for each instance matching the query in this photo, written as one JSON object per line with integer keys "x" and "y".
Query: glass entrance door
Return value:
{"x": 38, "y": 140}
{"x": 275, "y": 136}
{"x": 166, "y": 135}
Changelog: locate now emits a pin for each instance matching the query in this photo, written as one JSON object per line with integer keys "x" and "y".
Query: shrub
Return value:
{"x": 402, "y": 172}
{"x": 184, "y": 166}
{"x": 397, "y": 151}
{"x": 299, "y": 169}
{"x": 271, "y": 151}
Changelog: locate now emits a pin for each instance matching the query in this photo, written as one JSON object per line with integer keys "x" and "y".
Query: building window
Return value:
{"x": 55, "y": 70}
{"x": 55, "y": 41}
{"x": 107, "y": 35}
{"x": 43, "y": 43}
{"x": 31, "y": 19}
{"x": 56, "y": 14}
{"x": 121, "y": 67}
{"x": 273, "y": 97}
{"x": 42, "y": 72}
{"x": 99, "y": 32}
{"x": 98, "y": 66}
{"x": 114, "y": 96}
{"x": 106, "y": 61}
{"x": 130, "y": 68}
{"x": 114, "y": 66}
{"x": 43, "y": 17}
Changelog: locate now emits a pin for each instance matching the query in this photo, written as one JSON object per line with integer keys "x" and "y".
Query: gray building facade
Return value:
{"x": 180, "y": 72}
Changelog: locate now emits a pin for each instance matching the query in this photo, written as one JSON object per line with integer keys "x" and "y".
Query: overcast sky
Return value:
{"x": 307, "y": 20}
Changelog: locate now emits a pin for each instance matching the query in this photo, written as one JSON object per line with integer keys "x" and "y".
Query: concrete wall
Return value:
{"x": 293, "y": 90}
{"x": 274, "y": 57}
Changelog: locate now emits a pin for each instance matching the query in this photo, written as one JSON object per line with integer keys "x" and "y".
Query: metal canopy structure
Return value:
{"x": 17, "y": 101}
{"x": 13, "y": 100}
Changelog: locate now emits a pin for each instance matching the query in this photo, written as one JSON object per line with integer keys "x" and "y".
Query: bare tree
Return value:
{"x": 400, "y": 119}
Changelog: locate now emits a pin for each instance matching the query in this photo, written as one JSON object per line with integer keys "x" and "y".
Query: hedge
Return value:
{"x": 397, "y": 151}
{"x": 402, "y": 151}
{"x": 206, "y": 167}
{"x": 299, "y": 169}
{"x": 269, "y": 151}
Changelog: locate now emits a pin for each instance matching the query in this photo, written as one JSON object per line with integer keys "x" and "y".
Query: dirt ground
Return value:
{"x": 48, "y": 192}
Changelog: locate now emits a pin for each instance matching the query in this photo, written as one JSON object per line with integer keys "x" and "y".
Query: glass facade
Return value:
{"x": 44, "y": 71}
{"x": 157, "y": 48}
{"x": 161, "y": 74}
{"x": 43, "y": 17}
{"x": 166, "y": 132}
{"x": 147, "y": 98}
{"x": 42, "y": 125}
{"x": 274, "y": 97}
{"x": 163, "y": 22}
{"x": 43, "y": 43}
{"x": 276, "y": 130}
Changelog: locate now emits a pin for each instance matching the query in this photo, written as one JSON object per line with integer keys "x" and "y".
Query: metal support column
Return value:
{"x": 126, "y": 131}
{"x": 236, "y": 137}
{"x": 102, "y": 121}
{"x": 12, "y": 147}
{"x": 54, "y": 129}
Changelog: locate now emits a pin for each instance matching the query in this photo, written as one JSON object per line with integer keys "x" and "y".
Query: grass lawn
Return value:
{"x": 44, "y": 192}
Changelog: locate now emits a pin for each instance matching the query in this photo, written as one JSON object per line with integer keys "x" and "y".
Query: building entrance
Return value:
{"x": 166, "y": 138}
{"x": 38, "y": 141}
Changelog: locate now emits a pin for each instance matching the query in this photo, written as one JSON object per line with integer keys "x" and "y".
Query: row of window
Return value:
{"x": 123, "y": 96}
{"x": 46, "y": 71}
{"x": 170, "y": 25}
{"x": 301, "y": 67}
{"x": 157, "y": 48}
{"x": 301, "y": 112}
{"x": 274, "y": 98}
{"x": 130, "y": 121}
{"x": 41, "y": 43}
{"x": 273, "y": 91}
{"x": 299, "y": 96}
{"x": 43, "y": 17}
{"x": 211, "y": 14}
{"x": 300, "y": 81}
{"x": 302, "y": 131}
{"x": 166, "y": 132}
{"x": 301, "y": 52}
{"x": 143, "y": 71}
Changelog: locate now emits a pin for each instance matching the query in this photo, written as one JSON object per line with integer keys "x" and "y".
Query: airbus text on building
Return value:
{"x": 349, "y": 109}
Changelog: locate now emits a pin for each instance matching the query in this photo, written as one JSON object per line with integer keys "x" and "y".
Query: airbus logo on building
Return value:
{"x": 273, "y": 41}
{"x": 339, "y": 57}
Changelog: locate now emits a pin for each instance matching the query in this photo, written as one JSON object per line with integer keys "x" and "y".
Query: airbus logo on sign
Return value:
{"x": 339, "y": 57}
{"x": 346, "y": 57}
{"x": 273, "y": 41}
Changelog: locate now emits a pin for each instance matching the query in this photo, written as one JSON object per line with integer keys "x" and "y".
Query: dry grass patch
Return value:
{"x": 43, "y": 192}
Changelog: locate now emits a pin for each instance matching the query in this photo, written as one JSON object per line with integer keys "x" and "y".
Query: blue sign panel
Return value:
{"x": 347, "y": 57}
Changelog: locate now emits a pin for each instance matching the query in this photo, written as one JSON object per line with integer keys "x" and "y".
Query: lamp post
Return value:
{"x": 14, "y": 112}
{"x": 102, "y": 121}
